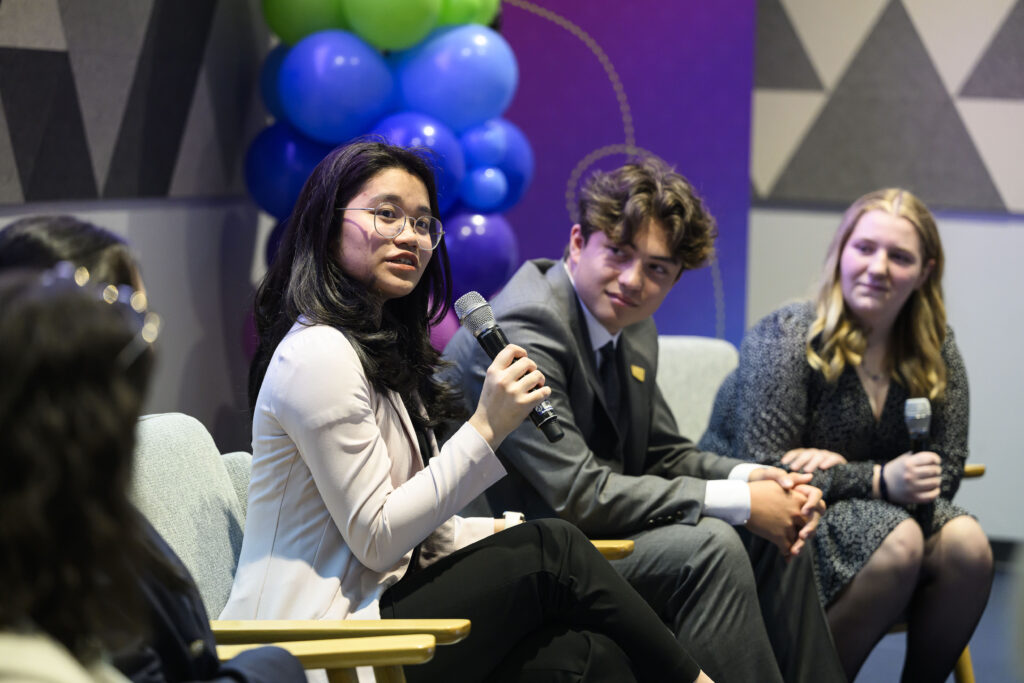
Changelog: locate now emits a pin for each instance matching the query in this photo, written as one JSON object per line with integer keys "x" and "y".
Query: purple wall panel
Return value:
{"x": 687, "y": 72}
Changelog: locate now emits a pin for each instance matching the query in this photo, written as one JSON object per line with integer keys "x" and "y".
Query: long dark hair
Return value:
{"x": 71, "y": 544}
{"x": 393, "y": 342}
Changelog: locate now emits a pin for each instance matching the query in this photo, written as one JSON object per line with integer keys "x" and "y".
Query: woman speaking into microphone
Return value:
{"x": 352, "y": 505}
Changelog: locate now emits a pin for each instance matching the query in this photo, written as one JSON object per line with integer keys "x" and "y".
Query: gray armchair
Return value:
{"x": 194, "y": 498}
{"x": 690, "y": 370}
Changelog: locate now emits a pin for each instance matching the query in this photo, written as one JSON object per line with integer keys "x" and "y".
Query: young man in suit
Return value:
{"x": 706, "y": 527}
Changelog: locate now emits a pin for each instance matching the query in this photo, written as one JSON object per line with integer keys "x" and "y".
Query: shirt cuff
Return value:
{"x": 728, "y": 500}
{"x": 742, "y": 473}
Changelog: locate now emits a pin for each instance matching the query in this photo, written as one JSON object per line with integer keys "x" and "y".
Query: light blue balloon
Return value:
{"x": 485, "y": 144}
{"x": 333, "y": 86}
{"x": 461, "y": 75}
{"x": 500, "y": 143}
{"x": 484, "y": 188}
{"x": 413, "y": 129}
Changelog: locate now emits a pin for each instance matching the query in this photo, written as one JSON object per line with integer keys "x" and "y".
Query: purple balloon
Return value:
{"x": 333, "y": 86}
{"x": 277, "y": 164}
{"x": 441, "y": 333}
{"x": 412, "y": 129}
{"x": 483, "y": 251}
{"x": 500, "y": 143}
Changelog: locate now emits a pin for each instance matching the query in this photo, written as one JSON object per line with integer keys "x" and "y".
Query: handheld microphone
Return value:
{"x": 917, "y": 413}
{"x": 476, "y": 316}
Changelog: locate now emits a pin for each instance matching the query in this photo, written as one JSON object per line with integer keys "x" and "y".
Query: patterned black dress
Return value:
{"x": 774, "y": 401}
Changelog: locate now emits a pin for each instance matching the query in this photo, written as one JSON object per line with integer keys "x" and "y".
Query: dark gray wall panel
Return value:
{"x": 781, "y": 61}
{"x": 160, "y": 99}
{"x": 890, "y": 121}
{"x": 1000, "y": 72}
{"x": 45, "y": 125}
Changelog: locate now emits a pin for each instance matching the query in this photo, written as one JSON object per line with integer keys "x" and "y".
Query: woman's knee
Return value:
{"x": 901, "y": 553}
{"x": 961, "y": 546}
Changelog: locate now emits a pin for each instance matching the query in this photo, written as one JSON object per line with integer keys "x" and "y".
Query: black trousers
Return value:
{"x": 742, "y": 611}
{"x": 544, "y": 606}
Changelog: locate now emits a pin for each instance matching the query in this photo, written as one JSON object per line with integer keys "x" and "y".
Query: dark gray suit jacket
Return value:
{"x": 607, "y": 479}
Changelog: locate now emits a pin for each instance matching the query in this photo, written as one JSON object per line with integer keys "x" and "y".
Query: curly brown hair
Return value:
{"x": 619, "y": 203}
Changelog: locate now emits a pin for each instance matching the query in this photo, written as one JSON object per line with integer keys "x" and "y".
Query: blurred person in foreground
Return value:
{"x": 78, "y": 563}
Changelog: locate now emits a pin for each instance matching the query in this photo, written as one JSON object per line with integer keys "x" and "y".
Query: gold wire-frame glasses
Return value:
{"x": 389, "y": 221}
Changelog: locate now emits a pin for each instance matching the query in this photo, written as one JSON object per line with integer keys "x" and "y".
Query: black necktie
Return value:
{"x": 609, "y": 372}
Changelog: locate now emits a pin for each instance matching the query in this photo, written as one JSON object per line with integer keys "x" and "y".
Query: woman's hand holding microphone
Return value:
{"x": 512, "y": 387}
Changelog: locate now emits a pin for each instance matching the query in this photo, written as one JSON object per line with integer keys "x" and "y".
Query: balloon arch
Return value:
{"x": 424, "y": 73}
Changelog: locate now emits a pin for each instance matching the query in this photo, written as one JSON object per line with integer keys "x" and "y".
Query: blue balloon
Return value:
{"x": 483, "y": 251}
{"x": 277, "y": 164}
{"x": 485, "y": 144}
{"x": 412, "y": 129}
{"x": 268, "y": 80}
{"x": 484, "y": 188}
{"x": 462, "y": 76}
{"x": 333, "y": 86}
{"x": 500, "y": 143}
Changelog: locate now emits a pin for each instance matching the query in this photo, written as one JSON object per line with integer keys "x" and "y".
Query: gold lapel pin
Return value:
{"x": 638, "y": 372}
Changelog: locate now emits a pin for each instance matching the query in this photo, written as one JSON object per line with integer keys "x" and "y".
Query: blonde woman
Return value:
{"x": 821, "y": 388}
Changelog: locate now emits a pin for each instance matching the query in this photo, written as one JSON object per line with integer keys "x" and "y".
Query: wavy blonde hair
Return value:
{"x": 836, "y": 338}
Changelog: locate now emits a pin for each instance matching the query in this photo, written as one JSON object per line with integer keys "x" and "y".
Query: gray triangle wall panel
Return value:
{"x": 781, "y": 61}
{"x": 1000, "y": 71}
{"x": 161, "y": 96}
{"x": 45, "y": 124}
{"x": 889, "y": 122}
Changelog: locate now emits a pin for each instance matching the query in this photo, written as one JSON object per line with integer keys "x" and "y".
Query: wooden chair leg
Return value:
{"x": 963, "y": 672}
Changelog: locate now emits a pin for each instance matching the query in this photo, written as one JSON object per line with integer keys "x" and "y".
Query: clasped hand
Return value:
{"x": 784, "y": 508}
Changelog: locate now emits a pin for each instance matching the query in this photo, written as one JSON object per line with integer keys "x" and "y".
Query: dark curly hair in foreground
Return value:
{"x": 68, "y": 406}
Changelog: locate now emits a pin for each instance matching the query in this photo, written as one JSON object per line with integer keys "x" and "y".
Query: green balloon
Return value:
{"x": 457, "y": 12}
{"x": 293, "y": 20}
{"x": 392, "y": 24}
{"x": 488, "y": 10}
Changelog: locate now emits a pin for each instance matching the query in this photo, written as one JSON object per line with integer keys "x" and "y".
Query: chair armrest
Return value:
{"x": 614, "y": 550}
{"x": 972, "y": 471}
{"x": 347, "y": 653}
{"x": 227, "y": 632}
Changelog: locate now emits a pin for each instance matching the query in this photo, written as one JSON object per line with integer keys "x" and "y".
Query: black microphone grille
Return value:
{"x": 473, "y": 312}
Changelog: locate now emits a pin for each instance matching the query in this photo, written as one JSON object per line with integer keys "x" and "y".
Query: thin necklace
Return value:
{"x": 875, "y": 377}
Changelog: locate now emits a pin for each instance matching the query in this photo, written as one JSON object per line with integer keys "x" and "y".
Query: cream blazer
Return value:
{"x": 339, "y": 496}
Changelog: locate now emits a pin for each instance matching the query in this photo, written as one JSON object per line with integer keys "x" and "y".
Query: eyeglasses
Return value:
{"x": 389, "y": 222}
{"x": 132, "y": 302}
